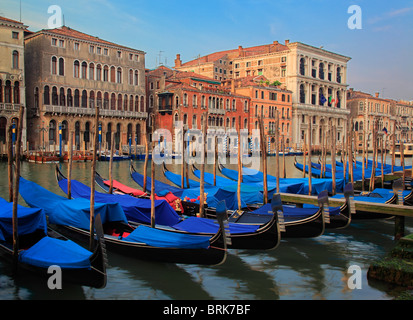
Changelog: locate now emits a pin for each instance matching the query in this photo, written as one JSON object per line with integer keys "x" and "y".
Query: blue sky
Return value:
{"x": 381, "y": 51}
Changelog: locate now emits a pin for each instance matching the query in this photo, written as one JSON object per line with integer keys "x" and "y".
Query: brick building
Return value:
{"x": 189, "y": 97}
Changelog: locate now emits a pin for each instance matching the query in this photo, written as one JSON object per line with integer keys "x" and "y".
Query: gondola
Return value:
{"x": 265, "y": 236}
{"x": 71, "y": 218}
{"x": 340, "y": 217}
{"x": 41, "y": 247}
{"x": 287, "y": 185}
{"x": 299, "y": 222}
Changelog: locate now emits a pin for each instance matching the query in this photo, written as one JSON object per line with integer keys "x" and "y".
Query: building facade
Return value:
{"x": 69, "y": 73}
{"x": 368, "y": 111}
{"x": 316, "y": 78}
{"x": 12, "y": 75}
{"x": 190, "y": 98}
{"x": 266, "y": 100}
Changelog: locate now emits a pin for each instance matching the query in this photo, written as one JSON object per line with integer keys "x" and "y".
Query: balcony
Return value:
{"x": 91, "y": 112}
{"x": 9, "y": 108}
{"x": 216, "y": 111}
{"x": 166, "y": 109}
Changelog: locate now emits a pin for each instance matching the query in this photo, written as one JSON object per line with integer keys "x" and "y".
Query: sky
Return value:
{"x": 381, "y": 51}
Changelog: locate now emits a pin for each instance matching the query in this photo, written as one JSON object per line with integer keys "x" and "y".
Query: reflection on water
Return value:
{"x": 297, "y": 269}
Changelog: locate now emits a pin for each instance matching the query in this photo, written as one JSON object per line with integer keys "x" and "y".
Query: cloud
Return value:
{"x": 389, "y": 15}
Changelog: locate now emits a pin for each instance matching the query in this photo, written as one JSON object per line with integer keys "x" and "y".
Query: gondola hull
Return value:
{"x": 91, "y": 277}
{"x": 214, "y": 255}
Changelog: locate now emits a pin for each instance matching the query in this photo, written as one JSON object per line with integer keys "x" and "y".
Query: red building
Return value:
{"x": 189, "y": 97}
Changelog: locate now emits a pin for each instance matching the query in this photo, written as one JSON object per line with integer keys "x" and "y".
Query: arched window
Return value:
{"x": 113, "y": 102}
{"x": 69, "y": 98}
{"x": 55, "y": 97}
{"x": 105, "y": 73}
{"x": 302, "y": 93}
{"x": 62, "y": 98}
{"x": 84, "y": 99}
{"x": 46, "y": 96}
{"x": 106, "y": 101}
{"x": 98, "y": 72}
{"x": 119, "y": 75}
{"x": 125, "y": 102}
{"x": 338, "y": 74}
{"x": 321, "y": 71}
{"x": 131, "y": 103}
{"x": 76, "y": 69}
{"x": 119, "y": 101}
{"x": 61, "y": 67}
{"x": 1, "y": 91}
{"x": 142, "y": 108}
{"x": 99, "y": 99}
{"x": 91, "y": 71}
{"x": 77, "y": 98}
{"x": 54, "y": 65}
{"x": 92, "y": 99}
{"x": 84, "y": 70}
{"x": 112, "y": 74}
{"x": 136, "y": 80}
{"x": 302, "y": 66}
{"x": 15, "y": 59}
{"x": 52, "y": 132}
{"x": 7, "y": 92}
{"x": 16, "y": 92}
{"x": 130, "y": 76}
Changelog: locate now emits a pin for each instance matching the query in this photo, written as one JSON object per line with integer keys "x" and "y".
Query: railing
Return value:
{"x": 91, "y": 111}
{"x": 9, "y": 107}
{"x": 216, "y": 111}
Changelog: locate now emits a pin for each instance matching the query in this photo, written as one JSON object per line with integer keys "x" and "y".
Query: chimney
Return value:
{"x": 287, "y": 42}
{"x": 232, "y": 86}
{"x": 377, "y": 94}
{"x": 240, "y": 51}
{"x": 178, "y": 62}
{"x": 275, "y": 42}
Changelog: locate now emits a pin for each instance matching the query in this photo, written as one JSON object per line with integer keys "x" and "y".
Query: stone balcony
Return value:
{"x": 216, "y": 111}
{"x": 9, "y": 108}
{"x": 91, "y": 112}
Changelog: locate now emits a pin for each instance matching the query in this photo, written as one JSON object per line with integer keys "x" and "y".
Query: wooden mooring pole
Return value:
{"x": 92, "y": 180}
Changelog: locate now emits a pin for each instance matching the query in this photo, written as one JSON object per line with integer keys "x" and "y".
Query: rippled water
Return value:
{"x": 297, "y": 269}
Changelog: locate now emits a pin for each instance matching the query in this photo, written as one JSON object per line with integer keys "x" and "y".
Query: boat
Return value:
{"x": 43, "y": 157}
{"x": 71, "y": 217}
{"x": 297, "y": 217}
{"x": 407, "y": 149}
{"x": 287, "y": 185}
{"x": 105, "y": 156}
{"x": 41, "y": 247}
{"x": 298, "y": 222}
{"x": 265, "y": 236}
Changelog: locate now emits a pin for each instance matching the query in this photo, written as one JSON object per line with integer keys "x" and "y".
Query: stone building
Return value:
{"x": 12, "y": 79}
{"x": 316, "y": 78}
{"x": 368, "y": 110}
{"x": 68, "y": 74}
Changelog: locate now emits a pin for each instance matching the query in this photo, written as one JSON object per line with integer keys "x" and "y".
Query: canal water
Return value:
{"x": 304, "y": 269}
